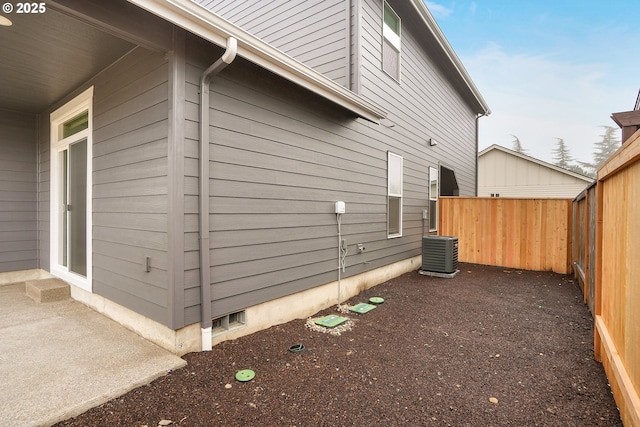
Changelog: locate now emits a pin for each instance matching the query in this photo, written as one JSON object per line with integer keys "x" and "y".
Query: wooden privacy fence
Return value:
{"x": 529, "y": 234}
{"x": 584, "y": 243}
{"x": 617, "y": 293}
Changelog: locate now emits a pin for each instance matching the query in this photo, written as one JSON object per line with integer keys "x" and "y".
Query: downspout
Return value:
{"x": 205, "y": 264}
{"x": 478, "y": 116}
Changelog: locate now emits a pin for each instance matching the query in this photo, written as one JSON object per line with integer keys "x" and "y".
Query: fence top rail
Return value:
{"x": 584, "y": 192}
{"x": 504, "y": 198}
{"x": 627, "y": 154}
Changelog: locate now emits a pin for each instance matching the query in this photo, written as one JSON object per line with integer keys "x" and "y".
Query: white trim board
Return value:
{"x": 81, "y": 103}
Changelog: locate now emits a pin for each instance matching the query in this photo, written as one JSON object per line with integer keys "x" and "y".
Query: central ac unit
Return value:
{"x": 440, "y": 254}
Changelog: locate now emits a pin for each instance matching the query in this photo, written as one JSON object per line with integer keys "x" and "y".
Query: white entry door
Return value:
{"x": 71, "y": 191}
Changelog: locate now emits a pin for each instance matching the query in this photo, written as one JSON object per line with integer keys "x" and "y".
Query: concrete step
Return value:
{"x": 47, "y": 290}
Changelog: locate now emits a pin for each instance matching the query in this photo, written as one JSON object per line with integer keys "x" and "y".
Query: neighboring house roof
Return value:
{"x": 507, "y": 173}
{"x": 210, "y": 26}
{"x": 534, "y": 160}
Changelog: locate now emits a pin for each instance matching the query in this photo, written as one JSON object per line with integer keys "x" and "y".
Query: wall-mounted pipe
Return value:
{"x": 478, "y": 116}
{"x": 205, "y": 264}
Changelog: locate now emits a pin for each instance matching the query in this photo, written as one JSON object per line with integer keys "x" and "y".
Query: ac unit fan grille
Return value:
{"x": 440, "y": 254}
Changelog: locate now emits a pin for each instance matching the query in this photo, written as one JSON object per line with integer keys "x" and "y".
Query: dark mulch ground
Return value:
{"x": 433, "y": 354}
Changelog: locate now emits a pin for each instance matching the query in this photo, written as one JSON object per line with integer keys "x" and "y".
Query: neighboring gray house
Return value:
{"x": 110, "y": 167}
{"x": 506, "y": 173}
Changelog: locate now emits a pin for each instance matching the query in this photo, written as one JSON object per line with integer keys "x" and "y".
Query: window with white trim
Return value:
{"x": 433, "y": 199}
{"x": 394, "y": 195}
{"x": 391, "y": 42}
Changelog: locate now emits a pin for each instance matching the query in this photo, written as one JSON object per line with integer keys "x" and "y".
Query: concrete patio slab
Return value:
{"x": 60, "y": 359}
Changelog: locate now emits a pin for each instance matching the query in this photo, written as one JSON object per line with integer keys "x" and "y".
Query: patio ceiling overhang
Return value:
{"x": 45, "y": 56}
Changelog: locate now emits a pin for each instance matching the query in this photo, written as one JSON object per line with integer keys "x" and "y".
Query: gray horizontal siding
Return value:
{"x": 279, "y": 159}
{"x": 315, "y": 33}
{"x": 44, "y": 167}
{"x": 130, "y": 183}
{"x": 424, "y": 104}
{"x": 18, "y": 192}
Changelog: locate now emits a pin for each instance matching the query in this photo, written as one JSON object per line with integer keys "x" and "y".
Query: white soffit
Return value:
{"x": 206, "y": 24}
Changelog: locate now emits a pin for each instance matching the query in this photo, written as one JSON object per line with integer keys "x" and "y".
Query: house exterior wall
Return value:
{"x": 130, "y": 189}
{"x": 44, "y": 168}
{"x": 343, "y": 40}
{"x": 315, "y": 33}
{"x": 18, "y": 192}
{"x": 422, "y": 105}
{"x": 130, "y": 183}
{"x": 281, "y": 157}
{"x": 510, "y": 176}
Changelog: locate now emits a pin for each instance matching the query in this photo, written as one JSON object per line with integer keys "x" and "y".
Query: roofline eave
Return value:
{"x": 432, "y": 25}
{"x": 210, "y": 26}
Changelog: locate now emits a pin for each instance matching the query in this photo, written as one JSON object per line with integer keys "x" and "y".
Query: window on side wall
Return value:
{"x": 394, "y": 195}
{"x": 433, "y": 199}
{"x": 391, "y": 42}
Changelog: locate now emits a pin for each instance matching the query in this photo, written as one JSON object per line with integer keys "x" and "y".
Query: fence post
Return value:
{"x": 597, "y": 341}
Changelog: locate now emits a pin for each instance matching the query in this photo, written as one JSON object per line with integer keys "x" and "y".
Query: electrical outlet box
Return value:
{"x": 340, "y": 208}
{"x": 424, "y": 214}
{"x": 360, "y": 247}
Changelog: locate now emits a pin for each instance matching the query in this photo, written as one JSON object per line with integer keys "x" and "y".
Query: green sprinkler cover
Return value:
{"x": 376, "y": 300}
{"x": 362, "y": 308}
{"x": 331, "y": 321}
{"x": 245, "y": 375}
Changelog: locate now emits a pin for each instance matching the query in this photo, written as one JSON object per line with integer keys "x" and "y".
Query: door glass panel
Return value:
{"x": 64, "y": 197}
{"x": 77, "y": 211}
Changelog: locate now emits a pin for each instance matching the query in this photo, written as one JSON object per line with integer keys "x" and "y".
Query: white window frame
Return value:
{"x": 392, "y": 182}
{"x": 80, "y": 104}
{"x": 394, "y": 39}
{"x": 434, "y": 175}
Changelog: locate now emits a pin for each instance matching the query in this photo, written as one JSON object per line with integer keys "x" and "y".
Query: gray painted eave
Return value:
{"x": 627, "y": 118}
{"x": 448, "y": 51}
{"x": 210, "y": 26}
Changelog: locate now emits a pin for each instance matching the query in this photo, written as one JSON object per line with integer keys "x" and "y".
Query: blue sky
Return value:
{"x": 547, "y": 68}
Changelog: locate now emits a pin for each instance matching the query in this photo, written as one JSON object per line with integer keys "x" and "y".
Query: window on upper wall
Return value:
{"x": 394, "y": 195}
{"x": 391, "y": 42}
{"x": 433, "y": 199}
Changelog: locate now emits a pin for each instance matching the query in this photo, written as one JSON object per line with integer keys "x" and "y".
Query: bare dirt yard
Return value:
{"x": 491, "y": 347}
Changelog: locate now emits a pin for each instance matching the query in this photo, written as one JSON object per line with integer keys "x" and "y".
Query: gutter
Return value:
{"x": 478, "y": 116}
{"x": 200, "y": 21}
{"x": 205, "y": 263}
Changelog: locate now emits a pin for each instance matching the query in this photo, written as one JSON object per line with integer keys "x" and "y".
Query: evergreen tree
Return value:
{"x": 579, "y": 169}
{"x": 589, "y": 169}
{"x": 517, "y": 145}
{"x": 564, "y": 160}
{"x": 561, "y": 154}
{"x": 605, "y": 148}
